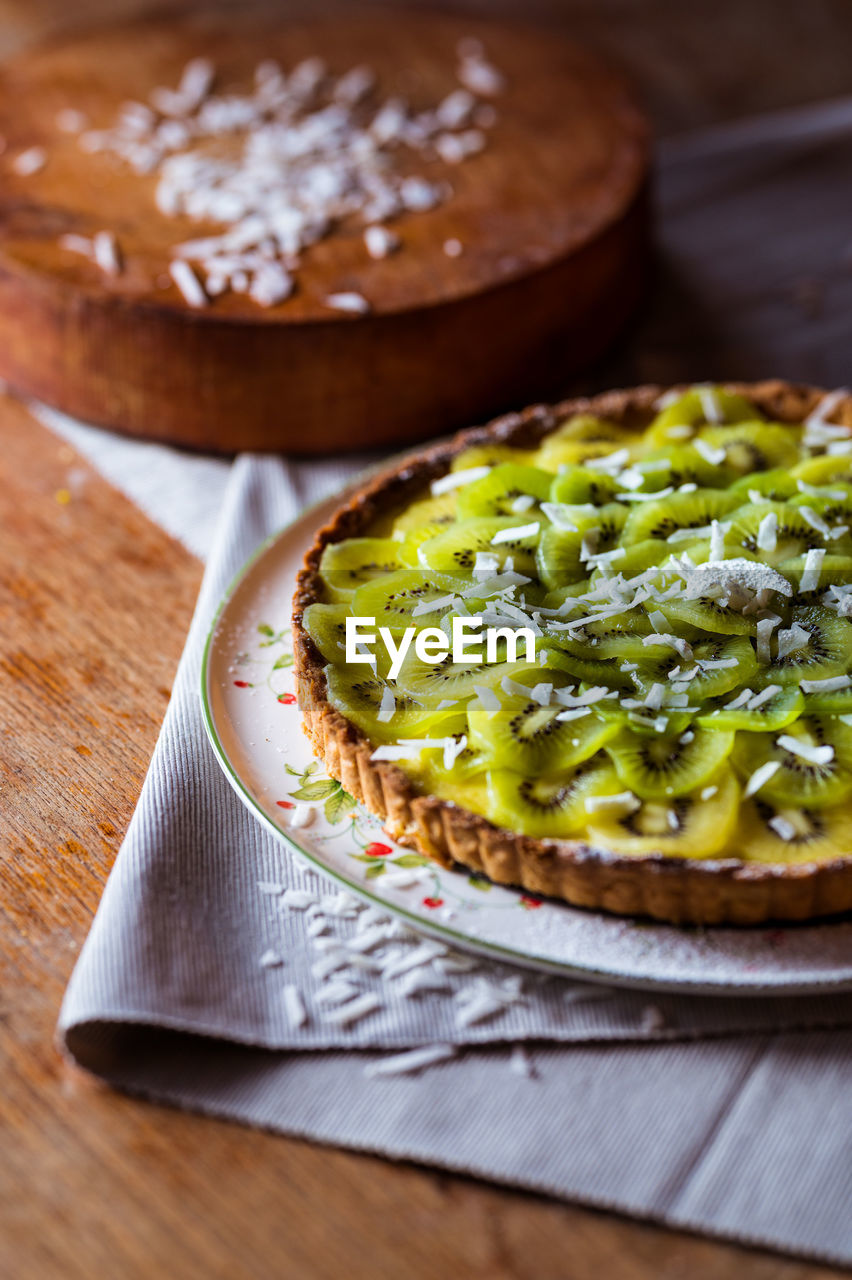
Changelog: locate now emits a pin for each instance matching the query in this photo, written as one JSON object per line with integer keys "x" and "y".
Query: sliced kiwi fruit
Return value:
{"x": 491, "y": 454}
{"x": 654, "y": 663}
{"x": 656, "y": 768}
{"x": 754, "y": 446}
{"x": 584, "y": 670}
{"x": 345, "y": 566}
{"x": 455, "y": 550}
{"x": 603, "y": 637}
{"x": 790, "y": 835}
{"x": 558, "y": 557}
{"x": 798, "y": 781}
{"x": 326, "y": 625}
{"x": 793, "y": 535}
{"x": 776, "y": 485}
{"x": 604, "y": 529}
{"x": 696, "y": 825}
{"x": 526, "y": 736}
{"x": 557, "y": 596}
{"x": 833, "y": 569}
{"x": 826, "y": 653}
{"x": 660, "y": 519}
{"x": 392, "y": 600}
{"x": 707, "y": 614}
{"x": 824, "y": 470}
{"x": 432, "y": 513}
{"x": 833, "y": 502}
{"x": 684, "y": 465}
{"x": 582, "y": 438}
{"x": 358, "y": 696}
{"x": 837, "y": 702}
{"x": 645, "y": 723}
{"x": 562, "y": 554}
{"x": 467, "y": 762}
{"x": 580, "y": 485}
{"x": 771, "y": 711}
{"x": 422, "y": 521}
{"x": 506, "y": 485}
{"x": 552, "y": 805}
{"x": 691, "y": 410}
{"x": 469, "y": 792}
{"x": 640, "y": 556}
{"x": 433, "y": 682}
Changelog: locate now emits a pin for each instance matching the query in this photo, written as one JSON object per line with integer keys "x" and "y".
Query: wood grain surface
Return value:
{"x": 552, "y": 217}
{"x": 94, "y": 605}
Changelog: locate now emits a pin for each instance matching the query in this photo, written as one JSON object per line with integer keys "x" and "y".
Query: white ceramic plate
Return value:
{"x": 254, "y": 726}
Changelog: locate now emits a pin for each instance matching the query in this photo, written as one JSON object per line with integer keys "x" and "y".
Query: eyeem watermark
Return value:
{"x": 433, "y": 645}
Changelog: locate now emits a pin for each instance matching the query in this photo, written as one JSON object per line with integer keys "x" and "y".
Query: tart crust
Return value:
{"x": 678, "y": 890}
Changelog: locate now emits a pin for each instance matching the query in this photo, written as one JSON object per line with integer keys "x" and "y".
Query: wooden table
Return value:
{"x": 94, "y": 606}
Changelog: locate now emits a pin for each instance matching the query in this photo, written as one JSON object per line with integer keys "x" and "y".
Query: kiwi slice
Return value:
{"x": 826, "y": 652}
{"x": 696, "y": 825}
{"x": 590, "y": 671}
{"x": 562, "y": 554}
{"x": 763, "y": 710}
{"x": 358, "y": 696}
{"x": 582, "y": 438}
{"x": 836, "y": 703}
{"x": 392, "y": 600}
{"x": 469, "y": 793}
{"x": 423, "y": 520}
{"x": 707, "y": 614}
{"x": 832, "y": 502}
{"x": 527, "y": 736}
{"x": 684, "y": 464}
{"x": 326, "y": 625}
{"x": 500, "y": 492}
{"x": 491, "y": 454}
{"x": 603, "y": 637}
{"x": 556, "y": 597}
{"x": 800, "y": 781}
{"x": 345, "y": 566}
{"x": 790, "y": 835}
{"x": 455, "y": 549}
{"x": 601, "y": 525}
{"x": 558, "y": 557}
{"x": 654, "y": 663}
{"x": 680, "y": 419}
{"x": 678, "y": 511}
{"x": 833, "y": 569}
{"x": 639, "y": 556}
{"x": 581, "y": 485}
{"x": 776, "y": 485}
{"x": 431, "y": 682}
{"x": 430, "y": 513}
{"x": 754, "y": 446}
{"x": 824, "y": 470}
{"x": 552, "y": 805}
{"x": 468, "y": 762}
{"x": 603, "y": 529}
{"x": 658, "y": 767}
{"x": 644, "y": 722}
{"x": 793, "y": 535}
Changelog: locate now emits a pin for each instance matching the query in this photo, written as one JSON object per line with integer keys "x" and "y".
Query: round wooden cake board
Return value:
{"x": 552, "y": 217}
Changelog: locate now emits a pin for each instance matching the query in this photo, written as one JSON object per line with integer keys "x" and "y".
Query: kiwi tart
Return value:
{"x": 677, "y": 741}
